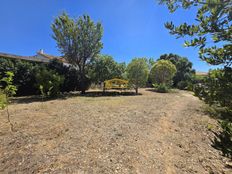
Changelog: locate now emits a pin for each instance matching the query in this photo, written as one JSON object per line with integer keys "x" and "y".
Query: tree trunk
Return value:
{"x": 136, "y": 90}
{"x": 83, "y": 91}
{"x": 8, "y": 118}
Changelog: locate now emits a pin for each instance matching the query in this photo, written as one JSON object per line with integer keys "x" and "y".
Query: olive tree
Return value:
{"x": 137, "y": 73}
{"x": 79, "y": 41}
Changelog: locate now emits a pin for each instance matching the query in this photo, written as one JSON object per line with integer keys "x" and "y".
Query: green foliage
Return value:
{"x": 71, "y": 75}
{"x": 211, "y": 33}
{"x": 105, "y": 68}
{"x": 213, "y": 24}
{"x": 9, "y": 89}
{"x": 48, "y": 82}
{"x": 223, "y": 139}
{"x": 24, "y": 74}
{"x": 79, "y": 40}
{"x": 162, "y": 72}
{"x": 182, "y": 85}
{"x": 185, "y": 72}
{"x": 162, "y": 88}
{"x": 137, "y": 73}
{"x": 3, "y": 101}
{"x": 216, "y": 88}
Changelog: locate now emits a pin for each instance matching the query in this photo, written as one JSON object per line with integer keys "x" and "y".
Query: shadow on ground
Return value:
{"x": 37, "y": 98}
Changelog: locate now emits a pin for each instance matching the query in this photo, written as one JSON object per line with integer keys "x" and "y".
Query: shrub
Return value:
{"x": 182, "y": 85}
{"x": 24, "y": 74}
{"x": 216, "y": 88}
{"x": 223, "y": 139}
{"x": 50, "y": 81}
{"x": 162, "y": 72}
{"x": 162, "y": 88}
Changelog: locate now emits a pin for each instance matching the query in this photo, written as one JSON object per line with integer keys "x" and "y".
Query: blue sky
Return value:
{"x": 132, "y": 28}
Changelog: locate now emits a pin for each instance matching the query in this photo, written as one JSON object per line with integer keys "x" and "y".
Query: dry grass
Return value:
{"x": 149, "y": 133}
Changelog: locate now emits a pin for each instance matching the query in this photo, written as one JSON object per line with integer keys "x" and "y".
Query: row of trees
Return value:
{"x": 55, "y": 77}
{"x": 79, "y": 41}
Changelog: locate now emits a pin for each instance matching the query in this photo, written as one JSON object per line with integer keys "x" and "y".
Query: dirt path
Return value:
{"x": 150, "y": 133}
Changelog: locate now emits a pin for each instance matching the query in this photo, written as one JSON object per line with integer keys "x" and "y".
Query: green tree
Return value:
{"x": 162, "y": 72}
{"x": 137, "y": 73}
{"x": 105, "y": 68}
{"x": 185, "y": 72}
{"x": 8, "y": 91}
{"x": 79, "y": 40}
{"x": 211, "y": 32}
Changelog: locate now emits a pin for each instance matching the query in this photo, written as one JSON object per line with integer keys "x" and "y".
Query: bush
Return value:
{"x": 182, "y": 85}
{"x": 223, "y": 139}
{"x": 162, "y": 72}
{"x": 24, "y": 74}
{"x": 216, "y": 88}
{"x": 162, "y": 88}
{"x": 70, "y": 74}
{"x": 49, "y": 81}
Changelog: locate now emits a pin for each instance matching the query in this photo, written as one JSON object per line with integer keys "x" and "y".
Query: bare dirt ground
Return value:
{"x": 151, "y": 133}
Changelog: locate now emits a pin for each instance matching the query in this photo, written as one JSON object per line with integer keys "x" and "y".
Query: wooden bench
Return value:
{"x": 117, "y": 84}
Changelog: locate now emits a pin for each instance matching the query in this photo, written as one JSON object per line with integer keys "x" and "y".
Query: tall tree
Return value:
{"x": 212, "y": 31}
{"x": 137, "y": 73}
{"x": 183, "y": 66}
{"x": 79, "y": 40}
{"x": 105, "y": 68}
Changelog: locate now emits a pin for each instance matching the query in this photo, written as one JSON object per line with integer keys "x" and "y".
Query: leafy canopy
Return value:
{"x": 162, "y": 72}
{"x": 212, "y": 32}
{"x": 184, "y": 68}
{"x": 79, "y": 40}
{"x": 137, "y": 72}
{"x": 104, "y": 67}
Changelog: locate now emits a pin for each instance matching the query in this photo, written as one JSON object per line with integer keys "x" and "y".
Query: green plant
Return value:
{"x": 79, "y": 40}
{"x": 223, "y": 139}
{"x": 162, "y": 88}
{"x": 182, "y": 85}
{"x": 9, "y": 90}
{"x": 216, "y": 88}
{"x": 137, "y": 73}
{"x": 211, "y": 33}
{"x": 184, "y": 70}
{"x": 2, "y": 100}
{"x": 48, "y": 82}
{"x": 162, "y": 72}
{"x": 104, "y": 68}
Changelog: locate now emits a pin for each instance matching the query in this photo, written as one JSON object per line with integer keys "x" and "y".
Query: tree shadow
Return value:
{"x": 168, "y": 92}
{"x": 109, "y": 94}
{"x": 65, "y": 96}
